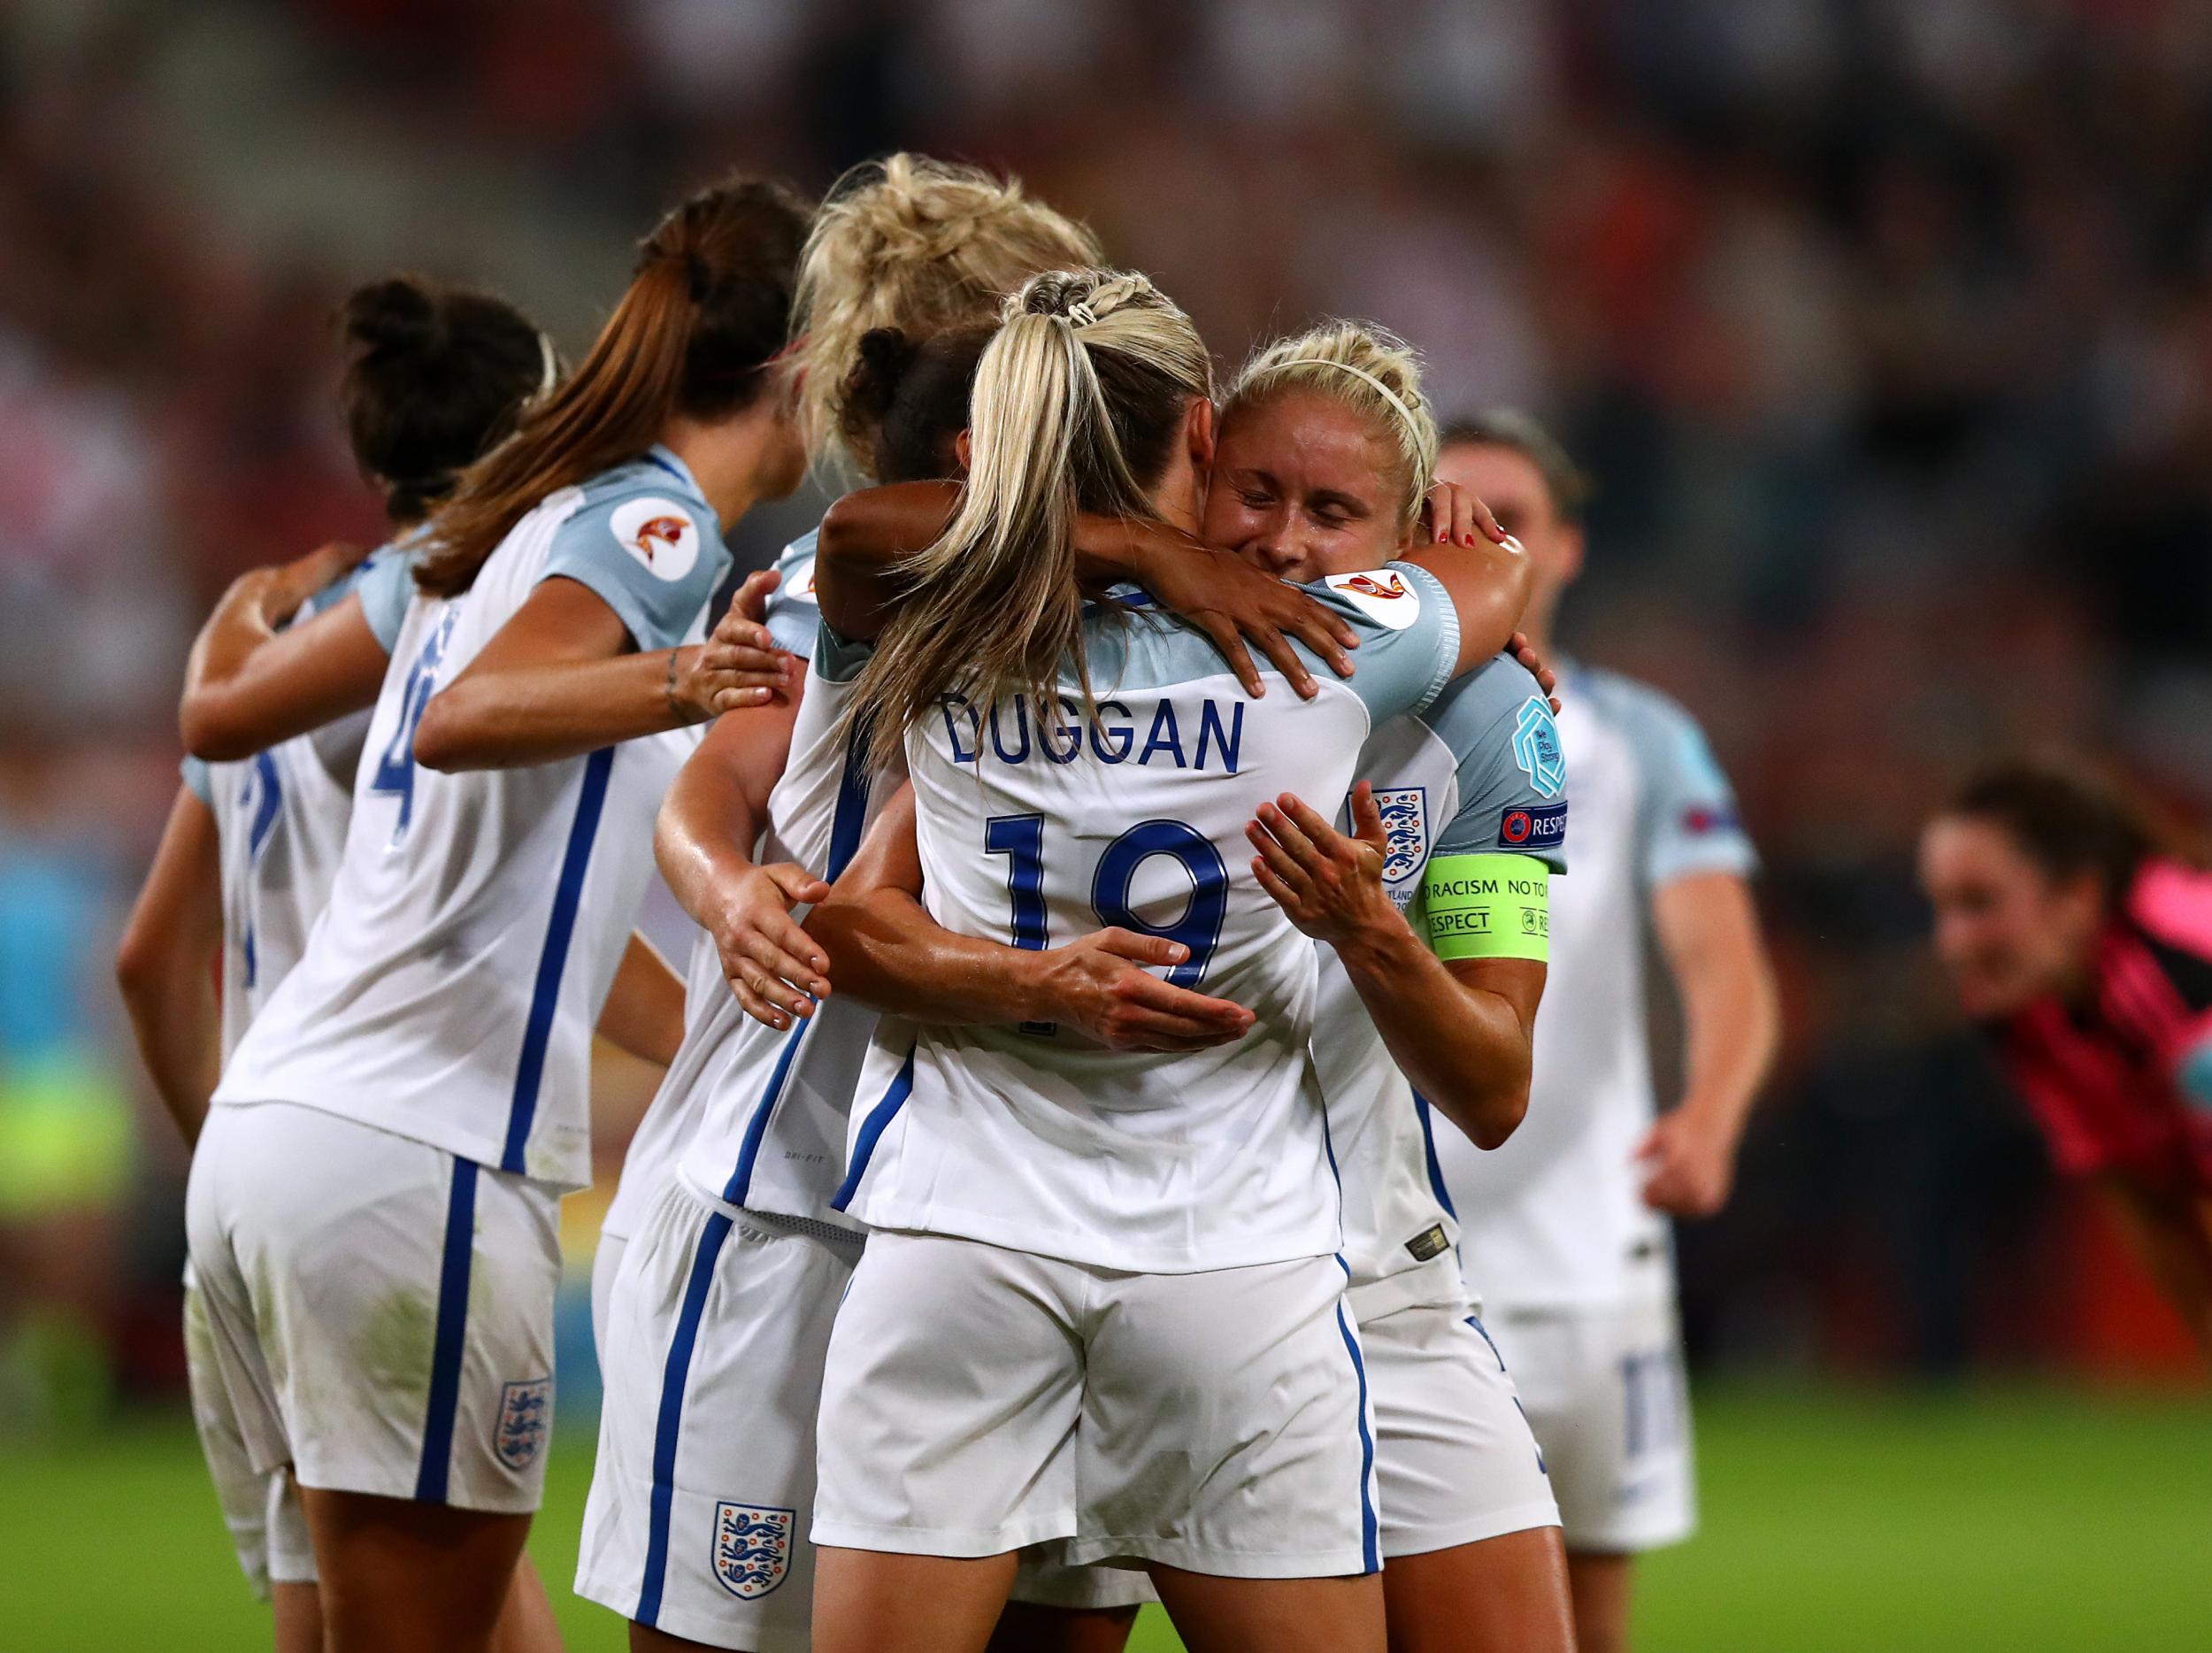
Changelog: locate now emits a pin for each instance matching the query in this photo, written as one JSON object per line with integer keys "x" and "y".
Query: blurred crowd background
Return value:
{"x": 1885, "y": 325}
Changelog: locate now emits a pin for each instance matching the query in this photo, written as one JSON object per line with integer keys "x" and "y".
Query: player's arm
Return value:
{"x": 887, "y": 951}
{"x": 564, "y": 677}
{"x": 1697, "y": 862}
{"x": 248, "y": 685}
{"x": 710, "y": 824}
{"x": 1486, "y": 574}
{"x": 1457, "y": 1008}
{"x": 1708, "y": 928}
{"x": 166, "y": 966}
{"x": 864, "y": 538}
{"x": 644, "y": 1012}
{"x": 868, "y": 535}
{"x": 2173, "y": 1228}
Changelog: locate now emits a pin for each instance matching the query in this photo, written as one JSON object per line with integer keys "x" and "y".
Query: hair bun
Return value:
{"x": 886, "y": 356}
{"x": 397, "y": 313}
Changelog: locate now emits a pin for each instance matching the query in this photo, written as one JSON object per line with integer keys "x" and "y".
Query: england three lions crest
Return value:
{"x": 1405, "y": 822}
{"x": 752, "y": 1548}
{"x": 526, "y": 1414}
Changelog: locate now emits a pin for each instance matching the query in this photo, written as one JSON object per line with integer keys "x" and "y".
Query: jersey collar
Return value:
{"x": 662, "y": 455}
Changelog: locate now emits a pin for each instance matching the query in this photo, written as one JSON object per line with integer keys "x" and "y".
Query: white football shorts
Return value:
{"x": 606, "y": 1267}
{"x": 262, "y": 1511}
{"x": 1608, "y": 1398}
{"x": 713, "y": 1335}
{"x": 1453, "y": 1454}
{"x": 379, "y": 1313}
{"x": 703, "y": 1496}
{"x": 1215, "y": 1421}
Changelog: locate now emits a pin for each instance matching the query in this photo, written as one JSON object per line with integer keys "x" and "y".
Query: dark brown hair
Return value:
{"x": 435, "y": 376}
{"x": 706, "y": 313}
{"x": 1568, "y": 483}
{"x": 2065, "y": 819}
{"x": 905, "y": 403}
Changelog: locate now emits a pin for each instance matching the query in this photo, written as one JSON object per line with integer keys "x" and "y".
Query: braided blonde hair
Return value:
{"x": 1079, "y": 400}
{"x": 1367, "y": 369}
{"x": 919, "y": 245}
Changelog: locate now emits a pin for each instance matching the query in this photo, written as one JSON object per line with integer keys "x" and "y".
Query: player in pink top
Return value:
{"x": 2090, "y": 952}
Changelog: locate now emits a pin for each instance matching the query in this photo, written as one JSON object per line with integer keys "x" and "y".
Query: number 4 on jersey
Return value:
{"x": 395, "y": 774}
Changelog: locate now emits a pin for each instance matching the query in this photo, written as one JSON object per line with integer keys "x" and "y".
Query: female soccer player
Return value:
{"x": 434, "y": 376}
{"x": 1080, "y": 1273}
{"x": 712, "y": 1340}
{"x": 1324, "y": 451}
{"x": 372, "y": 1209}
{"x": 1565, "y": 1235}
{"x": 2087, "y": 950}
{"x": 909, "y": 244}
{"x": 712, "y": 1329}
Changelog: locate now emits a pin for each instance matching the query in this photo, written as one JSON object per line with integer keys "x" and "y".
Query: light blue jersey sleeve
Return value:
{"x": 194, "y": 771}
{"x": 1687, "y": 819}
{"x": 793, "y": 616}
{"x": 386, "y": 586}
{"x": 653, "y": 558}
{"x": 1409, "y": 636}
{"x": 1512, "y": 768}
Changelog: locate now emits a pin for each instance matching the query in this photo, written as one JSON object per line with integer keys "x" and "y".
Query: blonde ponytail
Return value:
{"x": 1363, "y": 368}
{"x": 1079, "y": 400}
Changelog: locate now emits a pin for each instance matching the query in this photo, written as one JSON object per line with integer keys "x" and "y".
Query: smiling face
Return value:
{"x": 2005, "y": 930}
{"x": 1303, "y": 487}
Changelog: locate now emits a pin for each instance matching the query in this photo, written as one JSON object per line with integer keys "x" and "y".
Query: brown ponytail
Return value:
{"x": 707, "y": 311}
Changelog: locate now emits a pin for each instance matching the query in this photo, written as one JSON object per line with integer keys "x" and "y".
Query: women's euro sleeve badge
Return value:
{"x": 658, "y": 533}
{"x": 1383, "y": 596}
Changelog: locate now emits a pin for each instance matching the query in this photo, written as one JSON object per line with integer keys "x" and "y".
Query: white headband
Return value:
{"x": 1381, "y": 390}
{"x": 551, "y": 360}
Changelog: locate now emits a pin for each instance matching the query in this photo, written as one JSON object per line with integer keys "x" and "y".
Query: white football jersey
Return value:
{"x": 450, "y": 989}
{"x": 773, "y": 1127}
{"x": 1479, "y": 772}
{"x": 280, "y": 827}
{"x": 1556, "y": 1218}
{"x": 720, "y": 1039}
{"x": 1039, "y": 828}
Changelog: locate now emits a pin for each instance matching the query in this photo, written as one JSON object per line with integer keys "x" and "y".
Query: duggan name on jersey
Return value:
{"x": 1189, "y": 735}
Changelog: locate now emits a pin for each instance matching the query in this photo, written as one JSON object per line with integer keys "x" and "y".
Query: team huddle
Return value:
{"x": 1116, "y": 834}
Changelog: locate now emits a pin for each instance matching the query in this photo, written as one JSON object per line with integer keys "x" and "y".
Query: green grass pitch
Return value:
{"x": 2005, "y": 1522}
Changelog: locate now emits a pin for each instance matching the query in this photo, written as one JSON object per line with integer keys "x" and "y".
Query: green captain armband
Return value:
{"x": 1487, "y": 906}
